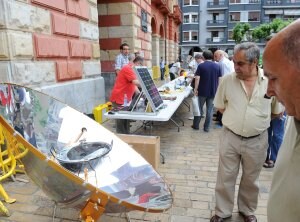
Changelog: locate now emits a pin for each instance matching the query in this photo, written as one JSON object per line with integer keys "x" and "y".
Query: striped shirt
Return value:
{"x": 120, "y": 61}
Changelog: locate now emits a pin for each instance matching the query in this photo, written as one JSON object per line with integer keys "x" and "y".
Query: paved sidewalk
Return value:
{"x": 190, "y": 170}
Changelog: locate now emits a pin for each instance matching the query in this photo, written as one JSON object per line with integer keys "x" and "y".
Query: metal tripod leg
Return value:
{"x": 162, "y": 158}
{"x": 175, "y": 124}
{"x": 187, "y": 105}
{"x": 178, "y": 117}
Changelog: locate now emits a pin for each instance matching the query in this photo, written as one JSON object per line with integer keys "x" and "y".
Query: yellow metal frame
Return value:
{"x": 3, "y": 210}
{"x": 10, "y": 153}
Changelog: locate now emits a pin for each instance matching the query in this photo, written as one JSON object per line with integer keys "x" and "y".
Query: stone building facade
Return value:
{"x": 52, "y": 45}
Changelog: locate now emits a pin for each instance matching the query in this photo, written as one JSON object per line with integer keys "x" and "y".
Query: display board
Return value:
{"x": 148, "y": 87}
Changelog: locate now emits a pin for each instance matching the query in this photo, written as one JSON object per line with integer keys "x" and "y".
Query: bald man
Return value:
{"x": 226, "y": 65}
{"x": 284, "y": 83}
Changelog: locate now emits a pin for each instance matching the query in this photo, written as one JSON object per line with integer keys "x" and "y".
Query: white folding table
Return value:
{"x": 163, "y": 114}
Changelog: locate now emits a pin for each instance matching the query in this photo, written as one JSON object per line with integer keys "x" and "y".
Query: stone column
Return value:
{"x": 162, "y": 47}
{"x": 155, "y": 50}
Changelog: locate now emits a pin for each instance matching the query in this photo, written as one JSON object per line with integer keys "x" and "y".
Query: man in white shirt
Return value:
{"x": 174, "y": 70}
{"x": 122, "y": 58}
{"x": 162, "y": 68}
{"x": 226, "y": 65}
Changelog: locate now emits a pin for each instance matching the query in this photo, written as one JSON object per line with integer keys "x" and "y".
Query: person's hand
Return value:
{"x": 195, "y": 92}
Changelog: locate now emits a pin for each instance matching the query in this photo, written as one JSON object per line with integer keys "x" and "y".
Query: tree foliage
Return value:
{"x": 244, "y": 31}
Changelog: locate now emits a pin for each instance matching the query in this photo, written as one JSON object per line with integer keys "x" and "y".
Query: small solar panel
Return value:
{"x": 149, "y": 87}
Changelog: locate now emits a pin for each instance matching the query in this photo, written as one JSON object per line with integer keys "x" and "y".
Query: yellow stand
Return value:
{"x": 3, "y": 210}
{"x": 6, "y": 198}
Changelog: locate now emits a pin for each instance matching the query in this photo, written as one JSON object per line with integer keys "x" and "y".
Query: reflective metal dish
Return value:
{"x": 120, "y": 177}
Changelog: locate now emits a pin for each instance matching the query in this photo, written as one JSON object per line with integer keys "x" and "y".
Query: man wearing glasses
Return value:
{"x": 122, "y": 58}
{"x": 244, "y": 139}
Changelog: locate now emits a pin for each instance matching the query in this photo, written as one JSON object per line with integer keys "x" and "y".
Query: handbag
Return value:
{"x": 195, "y": 106}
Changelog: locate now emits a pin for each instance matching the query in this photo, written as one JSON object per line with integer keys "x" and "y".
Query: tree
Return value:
{"x": 244, "y": 32}
{"x": 265, "y": 31}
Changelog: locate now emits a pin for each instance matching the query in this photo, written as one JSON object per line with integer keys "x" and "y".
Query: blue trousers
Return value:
{"x": 275, "y": 137}
{"x": 209, "y": 112}
{"x": 162, "y": 73}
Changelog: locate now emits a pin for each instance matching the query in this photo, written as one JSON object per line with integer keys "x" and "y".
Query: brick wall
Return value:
{"x": 49, "y": 42}
{"x": 119, "y": 22}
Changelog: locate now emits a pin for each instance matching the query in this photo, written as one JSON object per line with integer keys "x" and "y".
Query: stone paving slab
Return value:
{"x": 190, "y": 169}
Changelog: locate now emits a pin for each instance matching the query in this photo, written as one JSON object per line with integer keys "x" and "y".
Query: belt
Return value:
{"x": 243, "y": 137}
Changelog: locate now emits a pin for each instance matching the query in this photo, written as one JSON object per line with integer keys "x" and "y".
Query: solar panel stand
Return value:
{"x": 136, "y": 102}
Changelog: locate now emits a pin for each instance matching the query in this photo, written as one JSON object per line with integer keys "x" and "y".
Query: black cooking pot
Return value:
{"x": 85, "y": 154}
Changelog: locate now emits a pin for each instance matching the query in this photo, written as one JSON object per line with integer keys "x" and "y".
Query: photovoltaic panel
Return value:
{"x": 149, "y": 87}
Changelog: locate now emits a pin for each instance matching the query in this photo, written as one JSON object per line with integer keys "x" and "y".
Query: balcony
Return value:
{"x": 162, "y": 5}
{"x": 177, "y": 14}
{"x": 217, "y": 5}
{"x": 215, "y": 40}
{"x": 292, "y": 2}
{"x": 216, "y": 23}
{"x": 159, "y": 2}
{"x": 273, "y": 2}
{"x": 285, "y": 3}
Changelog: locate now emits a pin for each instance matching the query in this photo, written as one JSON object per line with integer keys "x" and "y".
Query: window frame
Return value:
{"x": 190, "y": 19}
{"x": 190, "y": 3}
{"x": 190, "y": 36}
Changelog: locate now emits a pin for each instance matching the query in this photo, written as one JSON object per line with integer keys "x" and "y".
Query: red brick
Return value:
{"x": 67, "y": 70}
{"x": 107, "y": 66}
{"x": 112, "y": 1}
{"x": 109, "y": 44}
{"x": 144, "y": 5}
{"x": 80, "y": 49}
{"x": 147, "y": 55}
{"x": 79, "y": 8}
{"x": 75, "y": 69}
{"x": 148, "y": 9}
{"x": 54, "y": 4}
{"x": 109, "y": 20}
{"x": 140, "y": 34}
{"x": 65, "y": 25}
{"x": 139, "y": 12}
{"x": 49, "y": 46}
{"x": 144, "y": 45}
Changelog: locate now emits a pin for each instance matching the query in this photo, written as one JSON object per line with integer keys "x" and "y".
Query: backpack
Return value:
{"x": 170, "y": 65}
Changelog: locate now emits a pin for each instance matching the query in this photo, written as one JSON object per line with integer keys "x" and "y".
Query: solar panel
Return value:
{"x": 149, "y": 87}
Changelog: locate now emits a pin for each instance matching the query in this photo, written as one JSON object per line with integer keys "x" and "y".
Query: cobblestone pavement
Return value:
{"x": 190, "y": 169}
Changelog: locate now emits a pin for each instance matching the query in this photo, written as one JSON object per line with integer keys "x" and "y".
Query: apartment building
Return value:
{"x": 209, "y": 24}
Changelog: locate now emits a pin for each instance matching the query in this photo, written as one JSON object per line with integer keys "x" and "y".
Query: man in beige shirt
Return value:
{"x": 284, "y": 83}
{"x": 246, "y": 118}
